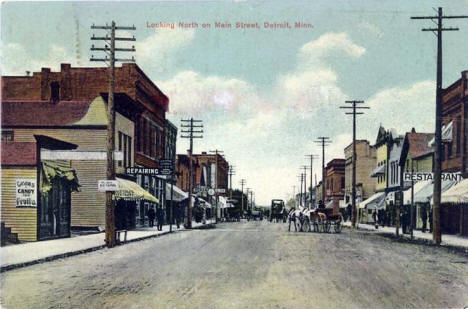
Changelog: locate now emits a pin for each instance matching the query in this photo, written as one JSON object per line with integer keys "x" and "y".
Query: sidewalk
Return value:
{"x": 15, "y": 256}
{"x": 447, "y": 240}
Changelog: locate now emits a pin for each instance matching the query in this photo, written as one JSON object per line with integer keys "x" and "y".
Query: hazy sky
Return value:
{"x": 264, "y": 94}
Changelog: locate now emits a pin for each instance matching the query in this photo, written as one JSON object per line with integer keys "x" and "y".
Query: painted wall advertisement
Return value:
{"x": 26, "y": 195}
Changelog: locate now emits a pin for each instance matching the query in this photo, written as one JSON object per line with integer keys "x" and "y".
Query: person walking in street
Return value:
{"x": 160, "y": 217}
{"x": 151, "y": 215}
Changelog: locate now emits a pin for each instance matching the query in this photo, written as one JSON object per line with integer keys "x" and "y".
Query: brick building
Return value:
{"x": 82, "y": 94}
{"x": 207, "y": 170}
{"x": 366, "y": 161}
{"x": 183, "y": 171}
{"x": 335, "y": 183}
{"x": 454, "y": 120}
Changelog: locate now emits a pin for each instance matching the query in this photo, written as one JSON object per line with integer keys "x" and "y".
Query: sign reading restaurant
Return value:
{"x": 26, "y": 193}
{"x": 419, "y": 176}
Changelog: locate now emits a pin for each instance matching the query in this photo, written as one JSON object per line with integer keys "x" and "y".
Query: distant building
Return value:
{"x": 335, "y": 183}
{"x": 183, "y": 171}
{"x": 207, "y": 171}
{"x": 171, "y": 141}
{"x": 365, "y": 162}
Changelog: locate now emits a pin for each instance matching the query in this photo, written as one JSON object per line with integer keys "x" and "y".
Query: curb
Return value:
{"x": 87, "y": 250}
{"x": 416, "y": 241}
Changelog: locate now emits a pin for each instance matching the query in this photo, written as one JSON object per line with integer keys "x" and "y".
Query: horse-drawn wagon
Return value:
{"x": 278, "y": 211}
{"x": 316, "y": 220}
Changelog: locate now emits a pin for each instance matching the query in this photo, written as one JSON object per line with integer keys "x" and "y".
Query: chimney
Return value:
{"x": 65, "y": 82}
{"x": 45, "y": 88}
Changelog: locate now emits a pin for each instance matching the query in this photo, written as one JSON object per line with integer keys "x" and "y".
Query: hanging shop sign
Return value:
{"x": 148, "y": 171}
{"x": 26, "y": 194}
{"x": 107, "y": 185}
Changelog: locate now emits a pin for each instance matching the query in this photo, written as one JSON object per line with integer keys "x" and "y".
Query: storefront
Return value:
{"x": 368, "y": 206}
{"x": 36, "y": 194}
{"x": 129, "y": 195}
{"x": 57, "y": 181}
{"x": 454, "y": 209}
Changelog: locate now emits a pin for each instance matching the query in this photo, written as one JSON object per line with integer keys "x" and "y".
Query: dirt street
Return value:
{"x": 247, "y": 265}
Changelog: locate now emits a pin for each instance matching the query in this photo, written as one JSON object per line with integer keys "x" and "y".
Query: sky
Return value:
{"x": 264, "y": 94}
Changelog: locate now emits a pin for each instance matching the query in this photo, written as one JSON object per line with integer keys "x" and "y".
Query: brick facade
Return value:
{"x": 455, "y": 109}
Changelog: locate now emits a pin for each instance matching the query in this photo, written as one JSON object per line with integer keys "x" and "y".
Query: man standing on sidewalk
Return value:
{"x": 160, "y": 217}
{"x": 151, "y": 215}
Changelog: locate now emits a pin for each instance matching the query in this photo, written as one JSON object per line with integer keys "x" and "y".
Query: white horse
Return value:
{"x": 300, "y": 216}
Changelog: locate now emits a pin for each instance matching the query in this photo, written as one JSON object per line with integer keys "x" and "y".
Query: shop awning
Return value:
{"x": 376, "y": 201}
{"x": 378, "y": 171}
{"x": 457, "y": 193}
{"x": 425, "y": 194}
{"x": 57, "y": 169}
{"x": 418, "y": 186}
{"x": 129, "y": 190}
{"x": 178, "y": 194}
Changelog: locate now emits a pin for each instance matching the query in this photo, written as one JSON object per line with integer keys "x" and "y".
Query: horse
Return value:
{"x": 299, "y": 216}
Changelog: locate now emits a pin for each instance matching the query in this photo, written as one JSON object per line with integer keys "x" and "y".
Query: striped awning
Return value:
{"x": 129, "y": 190}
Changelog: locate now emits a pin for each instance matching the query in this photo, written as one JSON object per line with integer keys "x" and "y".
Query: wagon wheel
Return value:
{"x": 338, "y": 227}
{"x": 306, "y": 225}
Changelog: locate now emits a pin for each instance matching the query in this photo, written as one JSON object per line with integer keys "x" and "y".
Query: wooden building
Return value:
{"x": 36, "y": 193}
{"x": 80, "y": 95}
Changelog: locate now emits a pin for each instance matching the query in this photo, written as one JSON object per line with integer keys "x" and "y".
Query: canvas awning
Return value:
{"x": 425, "y": 194}
{"x": 57, "y": 169}
{"x": 376, "y": 201}
{"x": 418, "y": 186}
{"x": 129, "y": 190}
{"x": 178, "y": 194}
{"x": 378, "y": 171}
{"x": 456, "y": 194}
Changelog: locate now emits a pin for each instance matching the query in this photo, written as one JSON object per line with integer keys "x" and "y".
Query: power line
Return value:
{"x": 437, "y": 235}
{"x": 312, "y": 157}
{"x": 110, "y": 141}
{"x": 354, "y": 107}
{"x": 216, "y": 152}
{"x": 191, "y": 125}
{"x": 323, "y": 141}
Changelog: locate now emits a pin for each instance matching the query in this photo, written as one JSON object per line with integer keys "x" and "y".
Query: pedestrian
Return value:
{"x": 423, "y": 218}
{"x": 349, "y": 210}
{"x": 430, "y": 219}
{"x": 177, "y": 216}
{"x": 151, "y": 215}
{"x": 160, "y": 217}
{"x": 374, "y": 217}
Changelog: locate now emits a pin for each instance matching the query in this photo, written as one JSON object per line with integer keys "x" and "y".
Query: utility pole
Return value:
{"x": 231, "y": 172}
{"x": 354, "y": 107}
{"x": 242, "y": 183}
{"x": 110, "y": 141}
{"x": 191, "y": 132}
{"x": 249, "y": 205}
{"x": 305, "y": 167}
{"x": 300, "y": 196}
{"x": 323, "y": 141}
{"x": 294, "y": 196}
{"x": 312, "y": 157}
{"x": 437, "y": 235}
{"x": 216, "y": 152}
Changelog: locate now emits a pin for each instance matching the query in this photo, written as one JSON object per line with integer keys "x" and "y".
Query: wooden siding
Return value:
{"x": 21, "y": 220}
{"x": 88, "y": 205}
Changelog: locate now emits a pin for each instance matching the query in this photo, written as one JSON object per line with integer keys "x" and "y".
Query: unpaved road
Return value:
{"x": 247, "y": 265}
